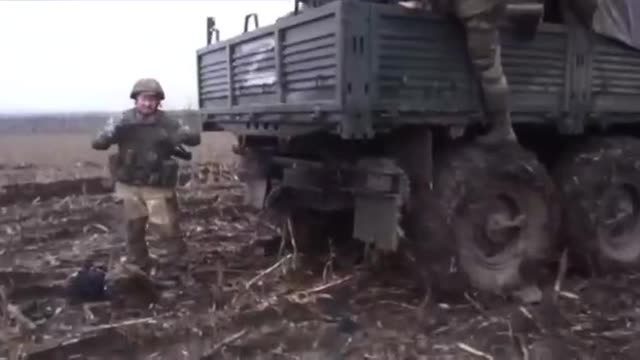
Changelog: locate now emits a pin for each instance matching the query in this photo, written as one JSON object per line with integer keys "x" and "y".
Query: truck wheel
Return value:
{"x": 600, "y": 185}
{"x": 500, "y": 211}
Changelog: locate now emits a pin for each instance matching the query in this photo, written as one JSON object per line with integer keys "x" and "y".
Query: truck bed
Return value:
{"x": 356, "y": 68}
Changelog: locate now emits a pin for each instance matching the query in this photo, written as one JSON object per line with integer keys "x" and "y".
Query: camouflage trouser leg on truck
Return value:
{"x": 484, "y": 49}
{"x": 159, "y": 208}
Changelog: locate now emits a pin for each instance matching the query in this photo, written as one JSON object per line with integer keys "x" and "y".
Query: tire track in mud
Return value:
{"x": 13, "y": 193}
{"x": 26, "y": 191}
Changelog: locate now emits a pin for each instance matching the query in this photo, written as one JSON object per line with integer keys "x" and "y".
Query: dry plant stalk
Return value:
{"x": 328, "y": 285}
{"x": 226, "y": 341}
{"x": 292, "y": 238}
{"x": 88, "y": 314}
{"x": 150, "y": 320}
{"x": 422, "y": 307}
{"x": 305, "y": 293}
{"x": 523, "y": 347}
{"x": 562, "y": 271}
{"x": 267, "y": 271}
{"x": 569, "y": 295}
{"x": 474, "y": 351}
{"x": 4, "y": 306}
{"x": 476, "y": 305}
{"x": 20, "y": 317}
{"x": 525, "y": 312}
{"x": 328, "y": 266}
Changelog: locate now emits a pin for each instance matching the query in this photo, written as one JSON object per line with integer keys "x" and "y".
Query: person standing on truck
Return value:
{"x": 480, "y": 20}
{"x": 144, "y": 171}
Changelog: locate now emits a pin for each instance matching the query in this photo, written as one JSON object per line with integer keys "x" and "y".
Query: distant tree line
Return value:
{"x": 68, "y": 123}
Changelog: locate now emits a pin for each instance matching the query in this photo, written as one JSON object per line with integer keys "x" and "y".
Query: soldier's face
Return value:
{"x": 147, "y": 103}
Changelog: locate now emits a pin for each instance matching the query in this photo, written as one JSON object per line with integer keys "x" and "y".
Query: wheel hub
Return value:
{"x": 620, "y": 210}
{"x": 503, "y": 221}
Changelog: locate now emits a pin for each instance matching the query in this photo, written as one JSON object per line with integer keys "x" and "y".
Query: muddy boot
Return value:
{"x": 137, "y": 251}
{"x": 501, "y": 131}
{"x": 173, "y": 251}
{"x": 176, "y": 248}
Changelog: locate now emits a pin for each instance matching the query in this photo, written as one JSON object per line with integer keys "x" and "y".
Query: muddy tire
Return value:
{"x": 498, "y": 226}
{"x": 599, "y": 181}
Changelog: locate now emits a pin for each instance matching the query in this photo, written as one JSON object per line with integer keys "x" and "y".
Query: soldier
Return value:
{"x": 480, "y": 19}
{"x": 144, "y": 171}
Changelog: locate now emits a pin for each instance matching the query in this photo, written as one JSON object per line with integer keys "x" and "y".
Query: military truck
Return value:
{"x": 358, "y": 118}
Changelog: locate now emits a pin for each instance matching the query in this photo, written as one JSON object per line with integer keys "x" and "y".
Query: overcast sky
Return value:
{"x": 85, "y": 55}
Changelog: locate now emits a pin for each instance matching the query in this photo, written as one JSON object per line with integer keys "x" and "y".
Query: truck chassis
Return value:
{"x": 370, "y": 110}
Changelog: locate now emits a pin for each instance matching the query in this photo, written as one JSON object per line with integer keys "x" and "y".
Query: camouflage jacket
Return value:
{"x": 145, "y": 148}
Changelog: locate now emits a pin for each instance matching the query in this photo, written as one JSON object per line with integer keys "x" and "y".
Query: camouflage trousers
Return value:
{"x": 483, "y": 46}
{"x": 157, "y": 207}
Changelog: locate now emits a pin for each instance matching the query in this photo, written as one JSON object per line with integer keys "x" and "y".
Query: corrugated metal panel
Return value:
{"x": 309, "y": 67}
{"x": 253, "y": 72}
{"x": 418, "y": 63}
{"x": 616, "y": 70}
{"x": 309, "y": 61}
{"x": 415, "y": 66}
{"x": 213, "y": 75}
{"x": 536, "y": 70}
{"x": 616, "y": 77}
{"x": 422, "y": 64}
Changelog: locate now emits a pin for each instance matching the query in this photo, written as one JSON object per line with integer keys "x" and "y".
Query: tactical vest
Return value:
{"x": 144, "y": 151}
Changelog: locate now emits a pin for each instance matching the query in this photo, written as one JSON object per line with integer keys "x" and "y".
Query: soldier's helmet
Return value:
{"x": 147, "y": 85}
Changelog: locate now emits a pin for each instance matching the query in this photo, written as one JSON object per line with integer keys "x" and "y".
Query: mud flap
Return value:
{"x": 253, "y": 174}
{"x": 378, "y": 203}
{"x": 255, "y": 192}
{"x": 376, "y": 220}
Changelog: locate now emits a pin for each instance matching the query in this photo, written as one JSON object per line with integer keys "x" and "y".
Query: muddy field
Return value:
{"x": 242, "y": 298}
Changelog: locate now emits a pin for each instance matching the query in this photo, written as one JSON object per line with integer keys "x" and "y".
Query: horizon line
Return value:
{"x": 72, "y": 112}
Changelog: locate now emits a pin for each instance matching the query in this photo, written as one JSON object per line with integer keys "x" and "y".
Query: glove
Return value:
{"x": 108, "y": 134}
{"x": 184, "y": 135}
{"x": 113, "y": 125}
